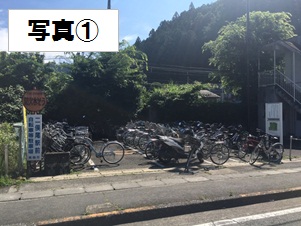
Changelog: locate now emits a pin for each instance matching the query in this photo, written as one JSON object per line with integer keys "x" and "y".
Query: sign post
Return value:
{"x": 34, "y": 101}
{"x": 274, "y": 120}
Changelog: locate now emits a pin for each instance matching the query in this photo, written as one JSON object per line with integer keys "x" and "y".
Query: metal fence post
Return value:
{"x": 290, "y": 154}
{"x": 6, "y": 159}
{"x": 28, "y": 170}
{"x": 20, "y": 156}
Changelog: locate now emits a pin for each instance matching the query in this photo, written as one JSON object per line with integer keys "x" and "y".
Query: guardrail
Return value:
{"x": 291, "y": 144}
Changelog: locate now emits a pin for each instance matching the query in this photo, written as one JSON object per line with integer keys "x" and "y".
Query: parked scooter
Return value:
{"x": 169, "y": 148}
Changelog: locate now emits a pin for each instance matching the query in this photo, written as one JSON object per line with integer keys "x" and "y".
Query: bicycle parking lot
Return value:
{"x": 229, "y": 149}
{"x": 135, "y": 159}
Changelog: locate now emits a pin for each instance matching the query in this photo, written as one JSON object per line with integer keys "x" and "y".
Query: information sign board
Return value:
{"x": 34, "y": 141}
{"x": 274, "y": 120}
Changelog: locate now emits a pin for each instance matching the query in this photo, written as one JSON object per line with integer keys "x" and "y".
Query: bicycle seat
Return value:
{"x": 274, "y": 139}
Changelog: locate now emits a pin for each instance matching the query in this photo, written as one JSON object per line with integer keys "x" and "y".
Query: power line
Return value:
{"x": 179, "y": 69}
{"x": 177, "y": 74}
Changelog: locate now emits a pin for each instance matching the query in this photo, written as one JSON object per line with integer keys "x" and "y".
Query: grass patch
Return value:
{"x": 7, "y": 181}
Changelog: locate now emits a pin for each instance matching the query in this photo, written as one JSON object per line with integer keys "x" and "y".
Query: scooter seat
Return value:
{"x": 178, "y": 140}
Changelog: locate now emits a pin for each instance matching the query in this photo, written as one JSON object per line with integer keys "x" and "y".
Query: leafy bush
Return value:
{"x": 8, "y": 137}
{"x": 172, "y": 102}
{"x": 11, "y": 103}
{"x": 171, "y": 93}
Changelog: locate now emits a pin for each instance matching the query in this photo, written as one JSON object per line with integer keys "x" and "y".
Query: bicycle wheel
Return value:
{"x": 206, "y": 152}
{"x": 127, "y": 138}
{"x": 151, "y": 150}
{"x": 36, "y": 166}
{"x": 276, "y": 153}
{"x": 113, "y": 152}
{"x": 254, "y": 155}
{"x": 242, "y": 149}
{"x": 80, "y": 153}
{"x": 219, "y": 154}
{"x": 165, "y": 159}
{"x": 136, "y": 140}
{"x": 143, "y": 141}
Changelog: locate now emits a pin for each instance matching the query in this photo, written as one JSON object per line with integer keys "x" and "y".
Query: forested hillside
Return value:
{"x": 179, "y": 41}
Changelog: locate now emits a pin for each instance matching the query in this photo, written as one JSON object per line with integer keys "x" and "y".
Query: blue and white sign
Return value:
{"x": 34, "y": 127}
{"x": 274, "y": 120}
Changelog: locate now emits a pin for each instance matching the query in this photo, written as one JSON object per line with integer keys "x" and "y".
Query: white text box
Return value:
{"x": 63, "y": 31}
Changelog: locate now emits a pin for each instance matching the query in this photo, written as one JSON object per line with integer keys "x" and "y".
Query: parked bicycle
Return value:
{"x": 215, "y": 146}
{"x": 268, "y": 149}
{"x": 236, "y": 140}
{"x": 80, "y": 146}
{"x": 111, "y": 152}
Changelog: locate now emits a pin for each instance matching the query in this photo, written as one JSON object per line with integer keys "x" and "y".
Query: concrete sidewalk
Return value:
{"x": 62, "y": 185}
{"x": 147, "y": 190}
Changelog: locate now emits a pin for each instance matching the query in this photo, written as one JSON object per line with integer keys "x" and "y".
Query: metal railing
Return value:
{"x": 277, "y": 78}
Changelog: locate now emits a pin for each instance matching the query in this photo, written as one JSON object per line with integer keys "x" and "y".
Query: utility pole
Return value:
{"x": 248, "y": 62}
{"x": 109, "y": 4}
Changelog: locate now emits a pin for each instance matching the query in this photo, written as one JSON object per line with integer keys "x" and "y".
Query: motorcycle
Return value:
{"x": 167, "y": 148}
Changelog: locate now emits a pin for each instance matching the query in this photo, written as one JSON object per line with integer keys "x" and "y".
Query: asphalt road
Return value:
{"x": 283, "y": 212}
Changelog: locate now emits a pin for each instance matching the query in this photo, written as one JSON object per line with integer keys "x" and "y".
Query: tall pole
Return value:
{"x": 248, "y": 62}
{"x": 109, "y": 4}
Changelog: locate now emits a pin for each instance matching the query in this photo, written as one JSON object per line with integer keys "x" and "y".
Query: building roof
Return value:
{"x": 291, "y": 46}
{"x": 208, "y": 94}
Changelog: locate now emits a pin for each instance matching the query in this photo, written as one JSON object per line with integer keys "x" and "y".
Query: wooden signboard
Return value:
{"x": 34, "y": 100}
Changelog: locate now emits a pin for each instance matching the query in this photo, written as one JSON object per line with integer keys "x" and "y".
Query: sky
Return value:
{"x": 136, "y": 17}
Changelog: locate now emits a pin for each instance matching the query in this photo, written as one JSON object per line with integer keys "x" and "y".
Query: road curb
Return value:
{"x": 145, "y": 213}
{"x": 116, "y": 173}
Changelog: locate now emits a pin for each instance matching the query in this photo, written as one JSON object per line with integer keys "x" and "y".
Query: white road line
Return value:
{"x": 253, "y": 217}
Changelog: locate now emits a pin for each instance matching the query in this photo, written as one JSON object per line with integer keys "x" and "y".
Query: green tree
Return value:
{"x": 137, "y": 42}
{"x": 11, "y": 103}
{"x": 229, "y": 48}
{"x": 105, "y": 87}
{"x": 24, "y": 71}
{"x": 116, "y": 77}
{"x": 180, "y": 40}
{"x": 175, "y": 16}
{"x": 191, "y": 6}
